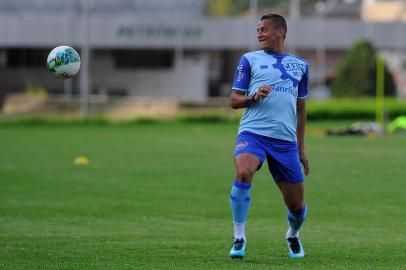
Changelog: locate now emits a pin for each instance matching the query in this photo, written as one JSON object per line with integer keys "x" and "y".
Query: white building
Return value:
{"x": 137, "y": 48}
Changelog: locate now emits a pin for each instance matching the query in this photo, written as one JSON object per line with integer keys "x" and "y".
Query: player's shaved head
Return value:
{"x": 277, "y": 21}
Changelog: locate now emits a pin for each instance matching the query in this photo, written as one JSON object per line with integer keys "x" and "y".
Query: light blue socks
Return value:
{"x": 295, "y": 220}
{"x": 240, "y": 202}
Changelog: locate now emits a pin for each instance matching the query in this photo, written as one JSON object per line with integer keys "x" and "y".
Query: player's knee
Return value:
{"x": 296, "y": 206}
{"x": 244, "y": 175}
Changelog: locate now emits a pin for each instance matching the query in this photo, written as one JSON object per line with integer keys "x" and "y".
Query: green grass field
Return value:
{"x": 155, "y": 196}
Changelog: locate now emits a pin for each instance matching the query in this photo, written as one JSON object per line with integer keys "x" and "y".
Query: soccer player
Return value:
{"x": 272, "y": 86}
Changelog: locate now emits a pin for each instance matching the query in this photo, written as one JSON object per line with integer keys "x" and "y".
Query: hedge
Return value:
{"x": 346, "y": 108}
{"x": 334, "y": 109}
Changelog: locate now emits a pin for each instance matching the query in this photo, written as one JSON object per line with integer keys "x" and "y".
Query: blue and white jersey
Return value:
{"x": 275, "y": 115}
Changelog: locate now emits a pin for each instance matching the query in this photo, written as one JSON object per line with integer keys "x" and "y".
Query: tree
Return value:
{"x": 220, "y": 8}
{"x": 356, "y": 74}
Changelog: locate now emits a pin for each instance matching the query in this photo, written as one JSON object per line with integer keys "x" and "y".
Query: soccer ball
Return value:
{"x": 63, "y": 62}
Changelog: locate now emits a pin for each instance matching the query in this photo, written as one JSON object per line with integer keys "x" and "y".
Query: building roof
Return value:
{"x": 335, "y": 9}
{"x": 167, "y": 8}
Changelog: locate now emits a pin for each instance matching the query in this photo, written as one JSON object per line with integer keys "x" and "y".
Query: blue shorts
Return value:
{"x": 282, "y": 156}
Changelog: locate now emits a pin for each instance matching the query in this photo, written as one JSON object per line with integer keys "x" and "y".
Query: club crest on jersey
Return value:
{"x": 293, "y": 67}
{"x": 241, "y": 145}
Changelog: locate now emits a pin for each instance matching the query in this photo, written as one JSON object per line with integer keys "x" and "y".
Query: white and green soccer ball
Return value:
{"x": 63, "y": 62}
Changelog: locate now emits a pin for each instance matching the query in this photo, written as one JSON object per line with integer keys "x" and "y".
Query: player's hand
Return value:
{"x": 262, "y": 92}
{"x": 305, "y": 162}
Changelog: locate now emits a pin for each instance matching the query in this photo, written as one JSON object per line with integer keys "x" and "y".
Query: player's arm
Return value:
{"x": 300, "y": 132}
{"x": 239, "y": 99}
{"x": 301, "y": 120}
{"x": 242, "y": 78}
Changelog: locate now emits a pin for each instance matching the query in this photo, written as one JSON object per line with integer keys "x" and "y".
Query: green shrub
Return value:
{"x": 356, "y": 74}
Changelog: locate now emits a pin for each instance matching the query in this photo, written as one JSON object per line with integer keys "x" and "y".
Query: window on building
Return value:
{"x": 3, "y": 58}
{"x": 27, "y": 57}
{"x": 142, "y": 59}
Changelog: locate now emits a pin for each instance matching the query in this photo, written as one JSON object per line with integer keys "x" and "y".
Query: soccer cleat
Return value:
{"x": 238, "y": 249}
{"x": 295, "y": 247}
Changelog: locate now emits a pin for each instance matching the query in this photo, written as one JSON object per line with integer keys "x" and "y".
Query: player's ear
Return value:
{"x": 281, "y": 32}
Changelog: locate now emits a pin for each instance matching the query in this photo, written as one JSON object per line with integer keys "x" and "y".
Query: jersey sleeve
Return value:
{"x": 304, "y": 84}
{"x": 242, "y": 75}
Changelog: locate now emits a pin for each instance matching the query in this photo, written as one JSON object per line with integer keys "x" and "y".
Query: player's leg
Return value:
{"x": 246, "y": 165}
{"x": 284, "y": 164}
{"x": 248, "y": 158}
{"x": 293, "y": 195}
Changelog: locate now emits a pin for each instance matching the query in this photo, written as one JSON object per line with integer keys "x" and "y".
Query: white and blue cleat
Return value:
{"x": 295, "y": 248}
{"x": 238, "y": 249}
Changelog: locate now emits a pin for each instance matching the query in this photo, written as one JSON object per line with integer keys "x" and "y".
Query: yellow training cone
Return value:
{"x": 81, "y": 160}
